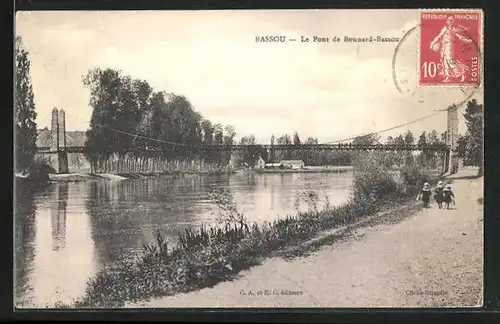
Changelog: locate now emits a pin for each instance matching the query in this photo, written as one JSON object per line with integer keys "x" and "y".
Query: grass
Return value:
{"x": 206, "y": 256}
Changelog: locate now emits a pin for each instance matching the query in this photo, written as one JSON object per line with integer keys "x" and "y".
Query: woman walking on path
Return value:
{"x": 438, "y": 194}
{"x": 425, "y": 195}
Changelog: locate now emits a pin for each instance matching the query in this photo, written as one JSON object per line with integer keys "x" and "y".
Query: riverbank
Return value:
{"x": 204, "y": 259}
{"x": 336, "y": 169}
{"x": 75, "y": 177}
{"x": 424, "y": 258}
{"x": 206, "y": 256}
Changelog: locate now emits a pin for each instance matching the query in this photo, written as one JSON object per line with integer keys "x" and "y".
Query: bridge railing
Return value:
{"x": 301, "y": 147}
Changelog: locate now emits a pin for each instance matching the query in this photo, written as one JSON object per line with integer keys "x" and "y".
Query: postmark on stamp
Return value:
{"x": 449, "y": 53}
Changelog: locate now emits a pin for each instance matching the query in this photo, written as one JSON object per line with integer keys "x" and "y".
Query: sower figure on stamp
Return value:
{"x": 448, "y": 196}
{"x": 450, "y": 66}
{"x": 438, "y": 194}
{"x": 425, "y": 195}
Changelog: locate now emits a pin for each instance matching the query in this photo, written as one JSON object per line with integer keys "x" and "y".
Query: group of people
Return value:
{"x": 442, "y": 194}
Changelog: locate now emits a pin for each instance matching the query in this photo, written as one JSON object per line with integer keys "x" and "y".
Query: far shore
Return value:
{"x": 112, "y": 176}
{"x": 82, "y": 176}
{"x": 74, "y": 177}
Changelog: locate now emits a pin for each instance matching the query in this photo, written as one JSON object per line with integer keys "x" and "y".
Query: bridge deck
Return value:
{"x": 335, "y": 147}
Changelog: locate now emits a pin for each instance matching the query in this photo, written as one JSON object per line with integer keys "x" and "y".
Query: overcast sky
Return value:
{"x": 326, "y": 90}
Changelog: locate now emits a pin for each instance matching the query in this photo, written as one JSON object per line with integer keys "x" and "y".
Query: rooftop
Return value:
{"x": 292, "y": 161}
{"x": 73, "y": 138}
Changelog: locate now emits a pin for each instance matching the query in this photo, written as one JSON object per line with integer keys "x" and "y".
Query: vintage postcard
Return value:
{"x": 249, "y": 158}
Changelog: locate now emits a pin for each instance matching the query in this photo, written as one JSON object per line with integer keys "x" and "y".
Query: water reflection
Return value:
{"x": 124, "y": 215}
{"x": 70, "y": 231}
{"x": 55, "y": 257}
{"x": 24, "y": 249}
{"x": 58, "y": 216}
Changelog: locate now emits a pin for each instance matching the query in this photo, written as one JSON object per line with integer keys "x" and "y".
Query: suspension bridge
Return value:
{"x": 59, "y": 150}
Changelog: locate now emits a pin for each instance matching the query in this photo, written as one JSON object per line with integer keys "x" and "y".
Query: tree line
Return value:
{"x": 25, "y": 131}
{"x": 274, "y": 155}
{"x": 130, "y": 118}
{"x": 26, "y": 163}
{"x": 470, "y": 145}
{"x": 427, "y": 158}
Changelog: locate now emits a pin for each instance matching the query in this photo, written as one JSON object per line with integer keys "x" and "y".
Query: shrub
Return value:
{"x": 39, "y": 171}
{"x": 414, "y": 178}
{"x": 373, "y": 183}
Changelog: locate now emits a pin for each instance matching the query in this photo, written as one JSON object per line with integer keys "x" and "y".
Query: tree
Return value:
{"x": 462, "y": 149}
{"x": 474, "y": 120}
{"x": 284, "y": 153}
{"x": 208, "y": 132}
{"x": 252, "y": 153}
{"x": 218, "y": 140}
{"x": 296, "y": 139}
{"x": 424, "y": 154}
{"x": 25, "y": 115}
{"x": 229, "y": 135}
{"x": 311, "y": 157}
{"x": 102, "y": 139}
{"x": 131, "y": 119}
{"x": 296, "y": 154}
{"x": 432, "y": 156}
{"x": 272, "y": 153}
{"x": 393, "y": 157}
{"x": 161, "y": 121}
{"x": 400, "y": 142}
{"x": 409, "y": 139}
{"x": 369, "y": 139}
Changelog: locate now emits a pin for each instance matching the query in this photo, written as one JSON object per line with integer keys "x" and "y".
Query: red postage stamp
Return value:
{"x": 450, "y": 52}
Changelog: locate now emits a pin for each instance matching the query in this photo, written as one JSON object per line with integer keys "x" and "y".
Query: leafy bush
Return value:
{"x": 414, "y": 178}
{"x": 373, "y": 183}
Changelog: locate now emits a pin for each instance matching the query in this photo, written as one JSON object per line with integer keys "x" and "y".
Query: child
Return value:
{"x": 438, "y": 194}
{"x": 448, "y": 196}
{"x": 425, "y": 195}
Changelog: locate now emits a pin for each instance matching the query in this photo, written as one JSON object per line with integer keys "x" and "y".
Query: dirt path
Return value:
{"x": 431, "y": 259}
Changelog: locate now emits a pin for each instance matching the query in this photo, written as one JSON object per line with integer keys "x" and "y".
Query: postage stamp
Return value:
{"x": 251, "y": 158}
{"x": 450, "y": 43}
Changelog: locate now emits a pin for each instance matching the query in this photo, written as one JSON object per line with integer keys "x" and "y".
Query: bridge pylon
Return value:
{"x": 59, "y": 159}
{"x": 452, "y": 140}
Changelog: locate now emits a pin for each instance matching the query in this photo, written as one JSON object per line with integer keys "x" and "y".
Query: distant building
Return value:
{"x": 73, "y": 138}
{"x": 293, "y": 164}
{"x": 76, "y": 162}
{"x": 273, "y": 166}
{"x": 261, "y": 164}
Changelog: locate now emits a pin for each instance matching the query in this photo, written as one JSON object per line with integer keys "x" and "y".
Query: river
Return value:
{"x": 67, "y": 232}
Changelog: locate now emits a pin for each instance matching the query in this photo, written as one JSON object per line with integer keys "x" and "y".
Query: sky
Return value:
{"x": 331, "y": 91}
